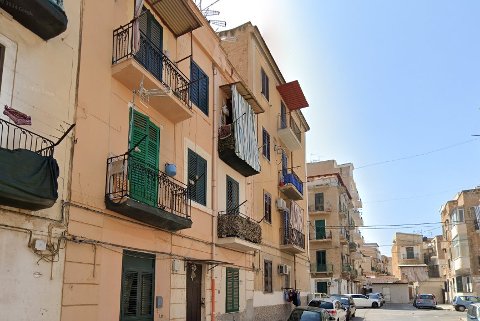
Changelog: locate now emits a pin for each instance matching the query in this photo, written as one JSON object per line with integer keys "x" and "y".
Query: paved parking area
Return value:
{"x": 406, "y": 312}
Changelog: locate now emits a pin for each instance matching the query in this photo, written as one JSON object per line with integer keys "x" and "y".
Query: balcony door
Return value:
{"x": 150, "y": 54}
{"x": 321, "y": 261}
{"x": 320, "y": 232}
{"x": 143, "y": 159}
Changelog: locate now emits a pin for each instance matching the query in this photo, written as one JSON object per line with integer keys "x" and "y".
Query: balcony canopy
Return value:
{"x": 177, "y": 15}
{"x": 246, "y": 94}
{"x": 292, "y": 95}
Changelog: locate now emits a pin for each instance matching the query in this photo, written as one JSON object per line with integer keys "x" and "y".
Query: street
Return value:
{"x": 406, "y": 312}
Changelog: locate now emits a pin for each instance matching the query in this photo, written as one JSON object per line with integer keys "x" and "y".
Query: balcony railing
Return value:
{"x": 14, "y": 137}
{"x": 320, "y": 236}
{"x": 152, "y": 58}
{"x": 235, "y": 224}
{"x": 316, "y": 208}
{"x": 344, "y": 235}
{"x": 289, "y": 132}
{"x": 415, "y": 256}
{"x": 291, "y": 236}
{"x": 287, "y": 121}
{"x": 291, "y": 185}
{"x": 321, "y": 268}
{"x": 352, "y": 247}
{"x": 158, "y": 199}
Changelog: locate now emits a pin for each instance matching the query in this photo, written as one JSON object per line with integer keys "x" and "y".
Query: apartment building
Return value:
{"x": 333, "y": 211}
{"x": 39, "y": 43}
{"x": 461, "y": 243}
{"x": 279, "y": 199}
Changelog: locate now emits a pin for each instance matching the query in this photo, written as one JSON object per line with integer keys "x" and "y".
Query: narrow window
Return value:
{"x": 319, "y": 206}
{"x": 267, "y": 276}
{"x": 138, "y": 276}
{"x": 232, "y": 196}
{"x": 265, "y": 85}
{"x": 232, "y": 290}
{"x": 267, "y": 207}
{"x": 197, "y": 178}
{"x": 266, "y": 144}
{"x": 2, "y": 59}
{"x": 199, "y": 87}
{"x": 320, "y": 232}
{"x": 321, "y": 261}
{"x": 410, "y": 252}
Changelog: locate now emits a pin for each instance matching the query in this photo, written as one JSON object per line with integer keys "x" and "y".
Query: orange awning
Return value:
{"x": 292, "y": 95}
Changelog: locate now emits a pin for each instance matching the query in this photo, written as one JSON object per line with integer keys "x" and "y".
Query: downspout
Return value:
{"x": 214, "y": 188}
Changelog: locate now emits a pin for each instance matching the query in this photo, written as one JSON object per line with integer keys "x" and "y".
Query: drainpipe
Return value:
{"x": 214, "y": 187}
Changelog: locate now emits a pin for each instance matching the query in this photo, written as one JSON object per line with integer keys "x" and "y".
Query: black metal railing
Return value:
{"x": 235, "y": 224}
{"x": 290, "y": 177}
{"x": 130, "y": 177}
{"x": 291, "y": 236}
{"x": 152, "y": 58}
{"x": 288, "y": 122}
{"x": 321, "y": 268}
{"x": 15, "y": 137}
{"x": 320, "y": 235}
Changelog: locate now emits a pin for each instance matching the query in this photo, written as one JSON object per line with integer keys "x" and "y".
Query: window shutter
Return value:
{"x": 194, "y": 86}
{"x": 192, "y": 174}
{"x": 197, "y": 174}
{"x": 319, "y": 202}
{"x": 232, "y": 195}
{"x": 232, "y": 290}
{"x": 319, "y": 229}
{"x": 284, "y": 163}
{"x": 203, "y": 93}
{"x": 267, "y": 207}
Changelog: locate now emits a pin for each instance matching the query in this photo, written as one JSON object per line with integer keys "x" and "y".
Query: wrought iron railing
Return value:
{"x": 235, "y": 224}
{"x": 291, "y": 236}
{"x": 290, "y": 177}
{"x": 16, "y": 137}
{"x": 316, "y": 208}
{"x": 152, "y": 58}
{"x": 288, "y": 122}
{"x": 132, "y": 178}
{"x": 321, "y": 268}
{"x": 320, "y": 235}
{"x": 414, "y": 256}
{"x": 352, "y": 246}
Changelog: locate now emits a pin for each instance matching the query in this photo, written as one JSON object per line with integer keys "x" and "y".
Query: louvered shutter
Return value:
{"x": 197, "y": 178}
{"x": 155, "y": 35}
{"x": 232, "y": 195}
{"x": 194, "y": 86}
{"x": 232, "y": 290}
{"x": 284, "y": 163}
{"x": 203, "y": 93}
{"x": 267, "y": 207}
{"x": 320, "y": 229}
{"x": 192, "y": 174}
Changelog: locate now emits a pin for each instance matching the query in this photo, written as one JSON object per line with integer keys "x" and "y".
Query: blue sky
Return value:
{"x": 385, "y": 80}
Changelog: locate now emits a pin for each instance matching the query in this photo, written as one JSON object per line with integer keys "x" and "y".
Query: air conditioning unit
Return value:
{"x": 281, "y": 204}
{"x": 282, "y": 269}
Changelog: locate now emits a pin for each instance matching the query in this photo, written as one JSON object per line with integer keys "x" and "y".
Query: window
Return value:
{"x": 319, "y": 202}
{"x": 459, "y": 283}
{"x": 475, "y": 210}
{"x": 265, "y": 86}
{"x": 2, "y": 58}
{"x": 321, "y": 261}
{"x": 197, "y": 178}
{"x": 232, "y": 290}
{"x": 410, "y": 252}
{"x": 232, "y": 196}
{"x": 138, "y": 276}
{"x": 286, "y": 285}
{"x": 320, "y": 232}
{"x": 267, "y": 276}
{"x": 283, "y": 115}
{"x": 267, "y": 207}
{"x": 266, "y": 144}
{"x": 199, "y": 87}
{"x": 321, "y": 287}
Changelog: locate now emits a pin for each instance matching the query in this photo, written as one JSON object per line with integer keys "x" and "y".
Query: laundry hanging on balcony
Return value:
{"x": 17, "y": 117}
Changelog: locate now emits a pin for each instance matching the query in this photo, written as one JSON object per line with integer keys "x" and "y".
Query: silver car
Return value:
{"x": 425, "y": 301}
{"x": 462, "y": 302}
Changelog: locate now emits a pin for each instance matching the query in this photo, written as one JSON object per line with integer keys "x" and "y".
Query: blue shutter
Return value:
{"x": 203, "y": 93}
{"x": 284, "y": 163}
{"x": 194, "y": 75}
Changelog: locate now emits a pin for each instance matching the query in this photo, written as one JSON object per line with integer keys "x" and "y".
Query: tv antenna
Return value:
{"x": 207, "y": 12}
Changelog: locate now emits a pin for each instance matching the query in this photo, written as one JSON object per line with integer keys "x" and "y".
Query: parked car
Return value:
{"x": 425, "y": 301}
{"x": 381, "y": 295}
{"x": 462, "y": 302}
{"x": 309, "y": 314}
{"x": 348, "y": 304}
{"x": 363, "y": 301}
{"x": 473, "y": 312}
{"x": 376, "y": 296}
{"x": 332, "y": 306}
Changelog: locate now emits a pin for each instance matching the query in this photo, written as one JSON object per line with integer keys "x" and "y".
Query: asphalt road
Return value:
{"x": 406, "y": 312}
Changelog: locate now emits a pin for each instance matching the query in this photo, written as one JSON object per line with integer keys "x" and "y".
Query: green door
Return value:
{"x": 321, "y": 261}
{"x": 321, "y": 287}
{"x": 143, "y": 160}
{"x": 320, "y": 233}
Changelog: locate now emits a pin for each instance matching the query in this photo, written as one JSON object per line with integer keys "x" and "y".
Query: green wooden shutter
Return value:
{"x": 232, "y": 290}
{"x": 144, "y": 160}
{"x": 232, "y": 195}
{"x": 138, "y": 276}
{"x": 321, "y": 261}
{"x": 320, "y": 229}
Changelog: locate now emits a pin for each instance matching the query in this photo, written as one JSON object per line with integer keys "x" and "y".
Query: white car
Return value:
{"x": 332, "y": 306}
{"x": 363, "y": 301}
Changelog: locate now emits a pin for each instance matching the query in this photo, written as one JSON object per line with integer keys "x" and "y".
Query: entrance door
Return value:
{"x": 194, "y": 292}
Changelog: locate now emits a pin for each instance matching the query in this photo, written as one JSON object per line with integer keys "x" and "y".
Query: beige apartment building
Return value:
{"x": 461, "y": 243}
{"x": 281, "y": 264}
{"x": 334, "y": 218}
{"x": 39, "y": 43}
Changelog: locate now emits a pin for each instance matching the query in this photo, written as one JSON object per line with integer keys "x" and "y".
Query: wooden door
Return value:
{"x": 194, "y": 292}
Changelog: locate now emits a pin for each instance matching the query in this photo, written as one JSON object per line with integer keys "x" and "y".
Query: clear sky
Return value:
{"x": 385, "y": 80}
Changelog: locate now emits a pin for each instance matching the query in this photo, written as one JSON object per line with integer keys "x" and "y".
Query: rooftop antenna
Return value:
{"x": 145, "y": 94}
{"x": 208, "y": 13}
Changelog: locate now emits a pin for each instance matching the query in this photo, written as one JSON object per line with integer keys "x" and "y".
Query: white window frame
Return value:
{"x": 8, "y": 74}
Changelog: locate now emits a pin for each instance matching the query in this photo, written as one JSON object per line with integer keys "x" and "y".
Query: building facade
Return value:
{"x": 281, "y": 264}
{"x": 39, "y": 44}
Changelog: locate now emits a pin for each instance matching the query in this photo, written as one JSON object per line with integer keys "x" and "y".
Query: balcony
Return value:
{"x": 344, "y": 236}
{"x": 239, "y": 232}
{"x": 321, "y": 236}
{"x": 289, "y": 132}
{"x": 321, "y": 268}
{"x": 352, "y": 247}
{"x": 347, "y": 268}
{"x": 28, "y": 176}
{"x": 292, "y": 240}
{"x": 165, "y": 87}
{"x": 45, "y": 18}
{"x": 290, "y": 185}
{"x": 150, "y": 196}
{"x": 313, "y": 209}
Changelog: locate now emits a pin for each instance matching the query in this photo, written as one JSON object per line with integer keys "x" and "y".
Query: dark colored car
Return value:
{"x": 309, "y": 314}
{"x": 347, "y": 303}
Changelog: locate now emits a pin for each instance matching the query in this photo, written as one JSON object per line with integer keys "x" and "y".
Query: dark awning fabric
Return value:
{"x": 27, "y": 179}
